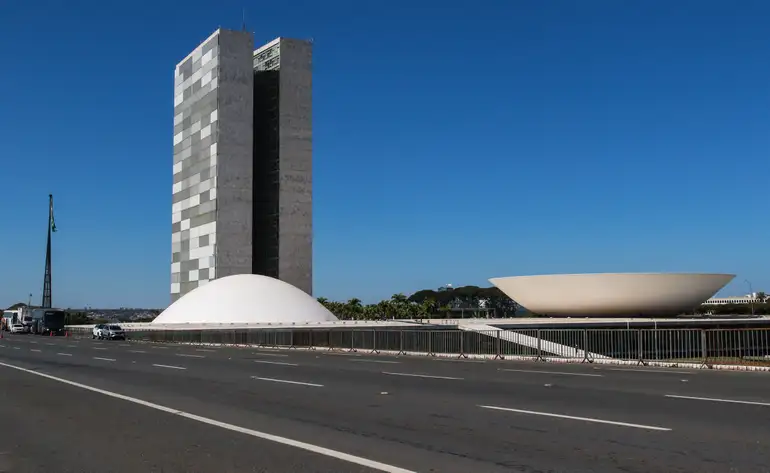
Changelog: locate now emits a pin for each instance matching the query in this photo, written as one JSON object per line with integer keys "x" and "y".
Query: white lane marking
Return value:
{"x": 288, "y": 382}
{"x": 270, "y": 354}
{"x": 274, "y": 363}
{"x": 565, "y": 373}
{"x": 585, "y": 419}
{"x": 98, "y": 348}
{"x": 137, "y": 351}
{"x": 365, "y": 462}
{"x": 32, "y": 349}
{"x": 459, "y": 360}
{"x": 170, "y": 367}
{"x": 731, "y": 401}
{"x": 98, "y": 343}
{"x": 160, "y": 348}
{"x": 661, "y": 370}
{"x": 32, "y": 341}
{"x": 421, "y": 375}
{"x": 190, "y": 356}
{"x": 203, "y": 349}
{"x": 16, "y": 348}
{"x": 71, "y": 346}
{"x": 375, "y": 361}
{"x": 124, "y": 345}
{"x": 64, "y": 354}
{"x": 103, "y": 359}
{"x": 50, "y": 344}
{"x": 3, "y": 346}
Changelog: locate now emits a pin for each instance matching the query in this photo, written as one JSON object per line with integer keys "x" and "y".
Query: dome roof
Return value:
{"x": 245, "y": 299}
{"x": 612, "y": 294}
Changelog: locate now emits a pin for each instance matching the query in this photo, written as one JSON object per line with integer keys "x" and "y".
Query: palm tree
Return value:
{"x": 429, "y": 306}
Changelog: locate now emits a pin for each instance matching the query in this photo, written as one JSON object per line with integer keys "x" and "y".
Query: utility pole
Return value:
{"x": 47, "y": 278}
{"x": 751, "y": 296}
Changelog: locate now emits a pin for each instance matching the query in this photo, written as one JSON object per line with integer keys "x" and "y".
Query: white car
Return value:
{"x": 109, "y": 332}
{"x": 18, "y": 328}
{"x": 97, "y": 333}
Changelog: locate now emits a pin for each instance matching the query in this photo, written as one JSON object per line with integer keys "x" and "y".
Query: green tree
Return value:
{"x": 427, "y": 303}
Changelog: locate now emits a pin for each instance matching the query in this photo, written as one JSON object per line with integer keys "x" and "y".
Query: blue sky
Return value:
{"x": 453, "y": 142}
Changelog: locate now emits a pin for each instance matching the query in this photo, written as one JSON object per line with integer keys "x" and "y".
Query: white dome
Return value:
{"x": 612, "y": 294}
{"x": 245, "y": 299}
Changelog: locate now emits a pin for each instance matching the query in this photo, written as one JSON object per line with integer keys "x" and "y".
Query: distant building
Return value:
{"x": 747, "y": 299}
{"x": 242, "y": 192}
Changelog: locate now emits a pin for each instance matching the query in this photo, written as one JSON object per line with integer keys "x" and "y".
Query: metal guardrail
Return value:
{"x": 702, "y": 346}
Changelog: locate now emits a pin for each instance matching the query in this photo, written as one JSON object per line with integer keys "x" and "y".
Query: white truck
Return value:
{"x": 10, "y": 317}
{"x": 22, "y": 316}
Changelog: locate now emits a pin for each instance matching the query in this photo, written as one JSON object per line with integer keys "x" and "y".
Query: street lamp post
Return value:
{"x": 751, "y": 296}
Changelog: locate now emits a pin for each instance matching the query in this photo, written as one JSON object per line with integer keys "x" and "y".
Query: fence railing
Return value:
{"x": 704, "y": 346}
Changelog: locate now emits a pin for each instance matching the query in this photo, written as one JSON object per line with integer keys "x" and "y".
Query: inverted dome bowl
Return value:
{"x": 612, "y": 294}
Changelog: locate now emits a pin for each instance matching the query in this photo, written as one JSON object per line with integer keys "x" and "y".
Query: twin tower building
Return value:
{"x": 243, "y": 153}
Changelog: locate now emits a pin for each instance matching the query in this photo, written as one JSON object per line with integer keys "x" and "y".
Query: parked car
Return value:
{"x": 18, "y": 328}
{"x": 109, "y": 332}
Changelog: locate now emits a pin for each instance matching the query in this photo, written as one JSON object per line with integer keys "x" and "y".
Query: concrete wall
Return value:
{"x": 234, "y": 154}
{"x": 296, "y": 164}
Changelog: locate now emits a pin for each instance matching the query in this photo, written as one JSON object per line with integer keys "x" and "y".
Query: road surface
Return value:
{"x": 112, "y": 406}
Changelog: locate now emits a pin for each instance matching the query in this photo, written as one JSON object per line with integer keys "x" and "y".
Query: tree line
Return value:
{"x": 444, "y": 302}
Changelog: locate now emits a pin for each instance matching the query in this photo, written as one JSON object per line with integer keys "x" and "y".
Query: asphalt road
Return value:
{"x": 128, "y": 407}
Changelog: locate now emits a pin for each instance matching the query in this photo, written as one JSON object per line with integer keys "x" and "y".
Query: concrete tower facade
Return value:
{"x": 242, "y": 187}
{"x": 283, "y": 162}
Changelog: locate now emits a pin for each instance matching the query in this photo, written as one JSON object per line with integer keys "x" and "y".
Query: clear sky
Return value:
{"x": 453, "y": 141}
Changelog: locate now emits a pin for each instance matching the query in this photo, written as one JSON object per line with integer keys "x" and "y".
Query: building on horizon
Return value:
{"x": 242, "y": 191}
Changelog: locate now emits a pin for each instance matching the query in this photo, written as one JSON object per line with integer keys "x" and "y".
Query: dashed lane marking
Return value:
{"x": 584, "y": 419}
{"x": 286, "y": 381}
{"x": 458, "y": 360}
{"x": 659, "y": 370}
{"x": 376, "y": 361}
{"x": 713, "y": 399}
{"x": 414, "y": 375}
{"x": 560, "y": 373}
{"x": 172, "y": 367}
{"x": 274, "y": 363}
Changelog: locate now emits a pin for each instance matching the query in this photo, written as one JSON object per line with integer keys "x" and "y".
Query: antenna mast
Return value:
{"x": 47, "y": 278}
